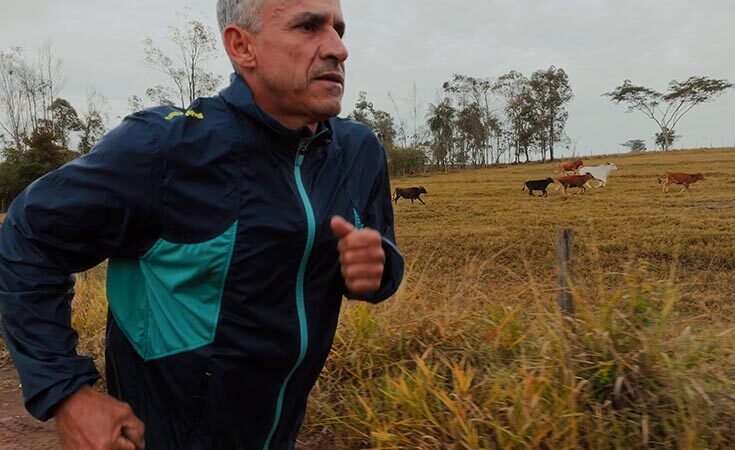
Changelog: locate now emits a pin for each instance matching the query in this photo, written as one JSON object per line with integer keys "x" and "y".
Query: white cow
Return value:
{"x": 600, "y": 173}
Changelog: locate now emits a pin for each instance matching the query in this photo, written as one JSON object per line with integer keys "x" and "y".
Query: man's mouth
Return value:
{"x": 334, "y": 77}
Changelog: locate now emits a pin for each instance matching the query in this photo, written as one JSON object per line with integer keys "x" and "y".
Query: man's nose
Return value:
{"x": 334, "y": 47}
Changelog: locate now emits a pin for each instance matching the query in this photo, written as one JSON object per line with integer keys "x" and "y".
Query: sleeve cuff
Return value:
{"x": 42, "y": 406}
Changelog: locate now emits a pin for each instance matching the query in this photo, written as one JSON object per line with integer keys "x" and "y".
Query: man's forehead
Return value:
{"x": 295, "y": 7}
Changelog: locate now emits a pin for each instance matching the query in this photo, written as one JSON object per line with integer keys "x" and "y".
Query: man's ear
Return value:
{"x": 239, "y": 46}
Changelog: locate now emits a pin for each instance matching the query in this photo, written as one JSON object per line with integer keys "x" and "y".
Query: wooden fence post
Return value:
{"x": 564, "y": 252}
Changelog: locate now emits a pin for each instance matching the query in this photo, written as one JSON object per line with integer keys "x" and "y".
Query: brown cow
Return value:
{"x": 409, "y": 193}
{"x": 570, "y": 166}
{"x": 680, "y": 178}
{"x": 575, "y": 181}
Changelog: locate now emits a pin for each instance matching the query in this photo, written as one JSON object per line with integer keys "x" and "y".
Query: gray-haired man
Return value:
{"x": 233, "y": 229}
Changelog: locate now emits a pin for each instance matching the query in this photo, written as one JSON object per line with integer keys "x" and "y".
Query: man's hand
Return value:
{"x": 90, "y": 420}
{"x": 361, "y": 256}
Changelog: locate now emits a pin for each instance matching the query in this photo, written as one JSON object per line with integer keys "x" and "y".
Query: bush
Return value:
{"x": 405, "y": 160}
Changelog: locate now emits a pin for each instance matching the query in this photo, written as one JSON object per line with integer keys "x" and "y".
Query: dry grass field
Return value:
{"x": 481, "y": 219}
{"x": 472, "y": 353}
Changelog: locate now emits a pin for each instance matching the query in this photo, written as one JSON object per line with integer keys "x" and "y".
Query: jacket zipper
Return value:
{"x": 301, "y": 309}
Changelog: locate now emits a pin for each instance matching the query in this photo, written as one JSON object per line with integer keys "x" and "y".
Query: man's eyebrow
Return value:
{"x": 318, "y": 18}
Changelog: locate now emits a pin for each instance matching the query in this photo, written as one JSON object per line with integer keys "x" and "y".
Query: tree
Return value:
{"x": 195, "y": 45}
{"x": 135, "y": 104}
{"x": 41, "y": 154}
{"x": 93, "y": 123}
{"x": 666, "y": 109}
{"x": 441, "y": 124}
{"x": 15, "y": 122}
{"x": 401, "y": 132}
{"x": 162, "y": 95}
{"x": 417, "y": 136}
{"x": 65, "y": 121}
{"x": 92, "y": 130}
{"x": 471, "y": 94}
{"x": 660, "y": 139}
{"x": 472, "y": 134}
{"x": 524, "y": 117}
{"x": 635, "y": 145}
{"x": 51, "y": 80}
{"x": 552, "y": 91}
{"x": 378, "y": 120}
{"x": 27, "y": 92}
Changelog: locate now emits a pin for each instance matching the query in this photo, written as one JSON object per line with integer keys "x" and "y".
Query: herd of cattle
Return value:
{"x": 581, "y": 177}
{"x": 574, "y": 174}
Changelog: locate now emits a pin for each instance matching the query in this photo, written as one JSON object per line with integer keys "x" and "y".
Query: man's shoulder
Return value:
{"x": 197, "y": 121}
{"x": 150, "y": 121}
{"x": 172, "y": 116}
{"x": 351, "y": 131}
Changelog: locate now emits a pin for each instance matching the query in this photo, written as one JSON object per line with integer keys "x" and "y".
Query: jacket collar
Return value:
{"x": 239, "y": 95}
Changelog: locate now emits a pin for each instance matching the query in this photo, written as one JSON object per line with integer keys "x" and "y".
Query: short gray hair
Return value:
{"x": 245, "y": 13}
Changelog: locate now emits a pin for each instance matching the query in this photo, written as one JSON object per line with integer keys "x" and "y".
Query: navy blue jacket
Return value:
{"x": 223, "y": 280}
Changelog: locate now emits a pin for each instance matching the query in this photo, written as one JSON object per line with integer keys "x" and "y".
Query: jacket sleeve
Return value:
{"x": 101, "y": 205}
{"x": 380, "y": 217}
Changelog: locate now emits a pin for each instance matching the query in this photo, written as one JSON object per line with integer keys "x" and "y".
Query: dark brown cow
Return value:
{"x": 411, "y": 193}
{"x": 570, "y": 166}
{"x": 680, "y": 178}
{"x": 575, "y": 181}
{"x": 537, "y": 185}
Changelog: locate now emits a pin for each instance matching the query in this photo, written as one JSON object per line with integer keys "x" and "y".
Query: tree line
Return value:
{"x": 514, "y": 118}
{"x": 477, "y": 122}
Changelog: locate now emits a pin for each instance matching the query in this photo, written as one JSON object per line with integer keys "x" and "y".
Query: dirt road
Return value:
{"x": 18, "y": 430}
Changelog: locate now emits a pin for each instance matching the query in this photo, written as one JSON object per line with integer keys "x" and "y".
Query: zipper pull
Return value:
{"x": 358, "y": 222}
{"x": 300, "y": 152}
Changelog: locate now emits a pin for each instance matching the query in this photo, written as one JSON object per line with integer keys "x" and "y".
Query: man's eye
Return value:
{"x": 309, "y": 26}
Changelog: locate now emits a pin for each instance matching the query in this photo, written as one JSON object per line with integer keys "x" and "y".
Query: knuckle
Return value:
{"x": 380, "y": 254}
{"x": 348, "y": 259}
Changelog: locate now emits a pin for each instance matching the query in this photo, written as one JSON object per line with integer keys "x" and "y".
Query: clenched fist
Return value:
{"x": 361, "y": 256}
{"x": 90, "y": 420}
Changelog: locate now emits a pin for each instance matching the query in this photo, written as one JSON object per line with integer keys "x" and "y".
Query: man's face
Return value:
{"x": 300, "y": 56}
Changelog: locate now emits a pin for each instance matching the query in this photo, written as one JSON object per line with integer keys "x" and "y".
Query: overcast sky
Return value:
{"x": 396, "y": 43}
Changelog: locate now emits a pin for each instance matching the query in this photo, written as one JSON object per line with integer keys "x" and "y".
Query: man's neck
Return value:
{"x": 290, "y": 122}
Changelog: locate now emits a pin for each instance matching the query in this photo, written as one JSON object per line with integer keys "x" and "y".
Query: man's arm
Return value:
{"x": 379, "y": 217}
{"x": 103, "y": 204}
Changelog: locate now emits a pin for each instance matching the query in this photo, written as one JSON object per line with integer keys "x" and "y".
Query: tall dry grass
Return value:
{"x": 472, "y": 352}
{"x": 467, "y": 371}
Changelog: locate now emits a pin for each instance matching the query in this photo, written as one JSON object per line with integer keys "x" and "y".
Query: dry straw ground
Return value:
{"x": 472, "y": 353}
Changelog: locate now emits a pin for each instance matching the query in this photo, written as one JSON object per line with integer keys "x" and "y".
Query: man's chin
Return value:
{"x": 327, "y": 110}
